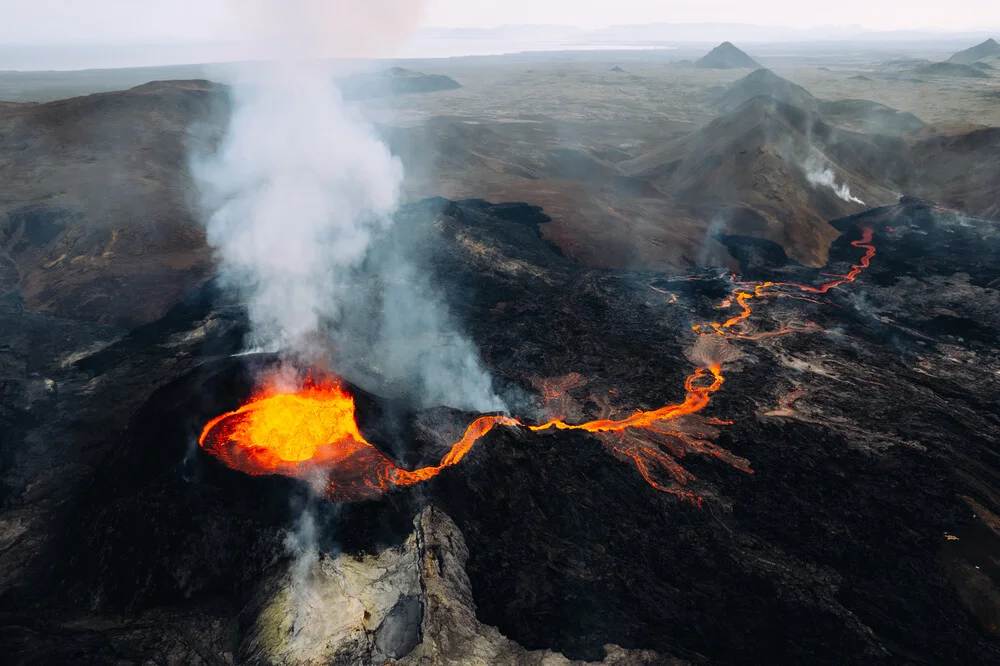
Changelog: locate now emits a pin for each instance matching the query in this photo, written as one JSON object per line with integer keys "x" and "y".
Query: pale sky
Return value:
{"x": 875, "y": 14}
{"x": 102, "y": 21}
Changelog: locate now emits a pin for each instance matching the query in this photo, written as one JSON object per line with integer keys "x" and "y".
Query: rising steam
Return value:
{"x": 818, "y": 174}
{"x": 296, "y": 191}
{"x": 301, "y": 188}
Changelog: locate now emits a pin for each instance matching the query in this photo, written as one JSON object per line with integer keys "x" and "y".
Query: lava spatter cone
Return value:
{"x": 299, "y": 434}
{"x": 313, "y": 432}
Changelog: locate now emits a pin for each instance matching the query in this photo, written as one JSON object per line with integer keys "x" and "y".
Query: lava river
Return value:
{"x": 312, "y": 433}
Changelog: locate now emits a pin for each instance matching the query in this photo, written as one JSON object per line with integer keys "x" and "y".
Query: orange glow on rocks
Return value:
{"x": 864, "y": 242}
{"x": 312, "y": 432}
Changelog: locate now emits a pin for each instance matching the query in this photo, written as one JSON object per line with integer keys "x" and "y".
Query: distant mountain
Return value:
{"x": 506, "y": 32}
{"x": 985, "y": 50}
{"x": 862, "y": 115}
{"x": 711, "y": 32}
{"x": 771, "y": 170}
{"x": 857, "y": 115}
{"x": 950, "y": 69}
{"x": 765, "y": 83}
{"x": 726, "y": 56}
{"x": 960, "y": 170}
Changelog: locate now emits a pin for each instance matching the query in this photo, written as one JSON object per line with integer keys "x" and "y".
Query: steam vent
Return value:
{"x": 556, "y": 358}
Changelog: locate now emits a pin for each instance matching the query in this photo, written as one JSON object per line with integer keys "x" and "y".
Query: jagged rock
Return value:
{"x": 410, "y": 603}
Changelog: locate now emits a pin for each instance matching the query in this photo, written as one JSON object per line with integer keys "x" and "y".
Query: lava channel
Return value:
{"x": 313, "y": 433}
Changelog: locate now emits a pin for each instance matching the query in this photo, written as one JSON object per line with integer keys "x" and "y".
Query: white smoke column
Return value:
{"x": 300, "y": 181}
{"x": 298, "y": 188}
{"x": 819, "y": 175}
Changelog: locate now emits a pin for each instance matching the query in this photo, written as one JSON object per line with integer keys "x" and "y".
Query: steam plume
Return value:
{"x": 820, "y": 175}
{"x": 301, "y": 187}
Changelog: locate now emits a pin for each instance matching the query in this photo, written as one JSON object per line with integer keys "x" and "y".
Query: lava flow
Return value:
{"x": 312, "y": 433}
{"x": 867, "y": 233}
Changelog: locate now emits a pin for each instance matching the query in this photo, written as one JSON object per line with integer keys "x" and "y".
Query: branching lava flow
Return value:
{"x": 312, "y": 433}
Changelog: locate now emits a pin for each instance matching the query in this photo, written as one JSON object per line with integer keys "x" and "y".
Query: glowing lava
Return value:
{"x": 312, "y": 433}
{"x": 697, "y": 399}
{"x": 864, "y": 242}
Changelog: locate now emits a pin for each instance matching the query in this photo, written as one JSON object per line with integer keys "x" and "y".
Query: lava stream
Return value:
{"x": 313, "y": 434}
{"x": 867, "y": 233}
{"x": 697, "y": 399}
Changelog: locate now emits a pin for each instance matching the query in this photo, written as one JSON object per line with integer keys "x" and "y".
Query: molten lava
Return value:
{"x": 277, "y": 432}
{"x": 312, "y": 433}
{"x": 865, "y": 242}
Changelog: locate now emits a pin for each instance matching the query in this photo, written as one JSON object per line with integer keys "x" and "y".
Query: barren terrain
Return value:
{"x": 745, "y": 323}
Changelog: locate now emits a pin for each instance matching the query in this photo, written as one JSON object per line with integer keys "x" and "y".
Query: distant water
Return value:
{"x": 76, "y": 57}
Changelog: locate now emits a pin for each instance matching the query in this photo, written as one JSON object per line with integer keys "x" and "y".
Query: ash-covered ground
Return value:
{"x": 865, "y": 529}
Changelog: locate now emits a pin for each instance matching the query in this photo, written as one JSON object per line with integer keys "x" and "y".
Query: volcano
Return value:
{"x": 726, "y": 56}
{"x": 749, "y": 170}
{"x": 971, "y": 55}
{"x": 734, "y": 438}
{"x": 765, "y": 83}
{"x": 742, "y": 339}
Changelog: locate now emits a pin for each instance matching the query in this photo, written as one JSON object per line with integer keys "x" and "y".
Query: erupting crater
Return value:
{"x": 312, "y": 432}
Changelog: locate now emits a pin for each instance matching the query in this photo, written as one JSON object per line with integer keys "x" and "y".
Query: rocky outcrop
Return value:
{"x": 409, "y": 604}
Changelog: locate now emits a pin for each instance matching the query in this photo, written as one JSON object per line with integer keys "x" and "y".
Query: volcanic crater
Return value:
{"x": 813, "y": 489}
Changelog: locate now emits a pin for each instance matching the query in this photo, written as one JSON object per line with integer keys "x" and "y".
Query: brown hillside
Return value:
{"x": 96, "y": 197}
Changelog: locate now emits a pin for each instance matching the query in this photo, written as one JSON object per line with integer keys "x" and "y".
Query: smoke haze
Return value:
{"x": 300, "y": 190}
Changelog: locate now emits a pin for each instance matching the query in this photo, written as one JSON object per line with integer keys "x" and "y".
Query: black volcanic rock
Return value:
{"x": 726, "y": 56}
{"x": 124, "y": 542}
{"x": 970, "y": 55}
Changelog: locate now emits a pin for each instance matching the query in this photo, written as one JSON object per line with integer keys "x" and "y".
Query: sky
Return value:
{"x": 161, "y": 21}
{"x": 875, "y": 14}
